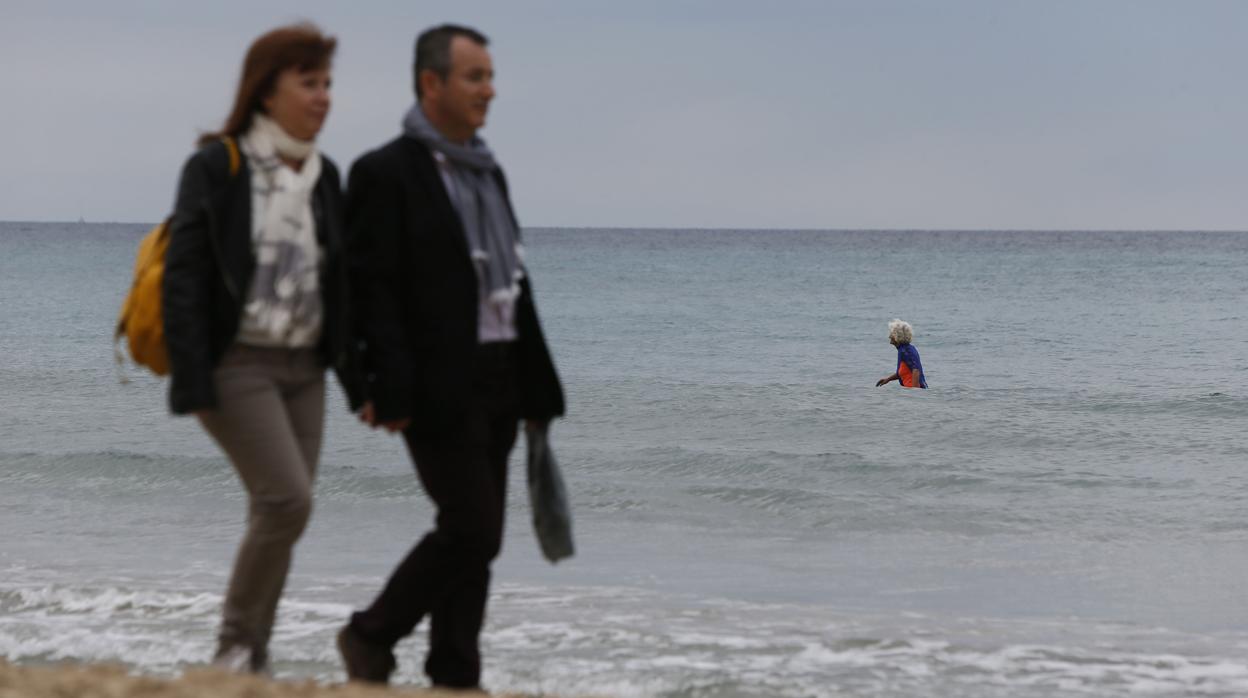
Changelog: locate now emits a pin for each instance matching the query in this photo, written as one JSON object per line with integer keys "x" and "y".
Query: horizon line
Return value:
{"x": 692, "y": 228}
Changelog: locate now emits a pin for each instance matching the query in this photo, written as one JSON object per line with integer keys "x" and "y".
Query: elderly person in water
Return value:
{"x": 909, "y": 368}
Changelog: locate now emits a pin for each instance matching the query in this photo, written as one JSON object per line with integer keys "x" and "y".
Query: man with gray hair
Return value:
{"x": 453, "y": 350}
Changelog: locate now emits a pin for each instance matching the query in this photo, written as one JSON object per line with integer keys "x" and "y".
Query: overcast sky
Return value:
{"x": 1046, "y": 114}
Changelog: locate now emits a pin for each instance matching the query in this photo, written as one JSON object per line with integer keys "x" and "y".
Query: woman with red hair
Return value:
{"x": 254, "y": 307}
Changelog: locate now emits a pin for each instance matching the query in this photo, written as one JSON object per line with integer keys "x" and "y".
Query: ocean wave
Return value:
{"x": 630, "y": 642}
{"x": 735, "y": 649}
{"x": 159, "y": 631}
{"x": 110, "y": 469}
{"x": 762, "y": 492}
{"x": 107, "y": 601}
{"x": 1207, "y": 405}
{"x": 119, "y": 472}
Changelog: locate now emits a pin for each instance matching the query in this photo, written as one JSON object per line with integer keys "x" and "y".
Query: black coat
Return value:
{"x": 208, "y": 270}
{"x": 416, "y": 294}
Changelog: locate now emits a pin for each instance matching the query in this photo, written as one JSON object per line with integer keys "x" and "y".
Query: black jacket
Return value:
{"x": 416, "y": 294}
{"x": 208, "y": 270}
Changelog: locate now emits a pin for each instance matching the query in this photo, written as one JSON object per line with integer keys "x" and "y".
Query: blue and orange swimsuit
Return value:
{"x": 909, "y": 367}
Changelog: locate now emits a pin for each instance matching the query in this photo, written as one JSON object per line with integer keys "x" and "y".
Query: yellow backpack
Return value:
{"x": 140, "y": 321}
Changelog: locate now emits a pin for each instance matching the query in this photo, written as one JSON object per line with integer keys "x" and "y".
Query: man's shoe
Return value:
{"x": 233, "y": 659}
{"x": 364, "y": 661}
{"x": 260, "y": 663}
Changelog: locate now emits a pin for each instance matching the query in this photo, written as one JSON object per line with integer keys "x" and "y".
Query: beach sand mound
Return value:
{"x": 78, "y": 681}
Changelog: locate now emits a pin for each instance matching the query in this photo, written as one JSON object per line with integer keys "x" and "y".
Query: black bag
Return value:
{"x": 552, "y": 516}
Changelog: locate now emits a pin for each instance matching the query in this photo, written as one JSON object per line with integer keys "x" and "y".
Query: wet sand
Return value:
{"x": 83, "y": 681}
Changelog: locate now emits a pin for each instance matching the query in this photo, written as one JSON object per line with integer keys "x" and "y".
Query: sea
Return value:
{"x": 1063, "y": 512}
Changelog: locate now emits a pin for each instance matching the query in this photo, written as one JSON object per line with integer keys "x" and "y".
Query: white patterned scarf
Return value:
{"x": 283, "y": 306}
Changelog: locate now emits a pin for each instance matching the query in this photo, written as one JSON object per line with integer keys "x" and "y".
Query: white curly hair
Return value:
{"x": 900, "y": 331}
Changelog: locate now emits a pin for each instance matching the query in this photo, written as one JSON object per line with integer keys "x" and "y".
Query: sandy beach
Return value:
{"x": 85, "y": 681}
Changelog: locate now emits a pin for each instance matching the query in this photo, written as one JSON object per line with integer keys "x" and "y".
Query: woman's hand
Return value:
{"x": 889, "y": 379}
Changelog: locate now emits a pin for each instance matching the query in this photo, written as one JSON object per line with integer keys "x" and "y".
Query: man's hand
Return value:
{"x": 369, "y": 416}
{"x": 536, "y": 424}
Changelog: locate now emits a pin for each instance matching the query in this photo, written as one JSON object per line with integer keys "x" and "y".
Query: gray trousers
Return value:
{"x": 269, "y": 419}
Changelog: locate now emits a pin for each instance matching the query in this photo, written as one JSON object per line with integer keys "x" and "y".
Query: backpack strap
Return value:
{"x": 231, "y": 148}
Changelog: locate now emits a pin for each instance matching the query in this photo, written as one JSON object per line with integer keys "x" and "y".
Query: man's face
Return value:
{"x": 463, "y": 99}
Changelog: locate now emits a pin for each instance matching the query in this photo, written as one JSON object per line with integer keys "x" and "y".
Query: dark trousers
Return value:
{"x": 447, "y": 575}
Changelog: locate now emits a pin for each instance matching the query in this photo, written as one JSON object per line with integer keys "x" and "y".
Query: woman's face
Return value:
{"x": 300, "y": 102}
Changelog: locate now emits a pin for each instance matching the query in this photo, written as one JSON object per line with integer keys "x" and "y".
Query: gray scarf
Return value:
{"x": 492, "y": 236}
